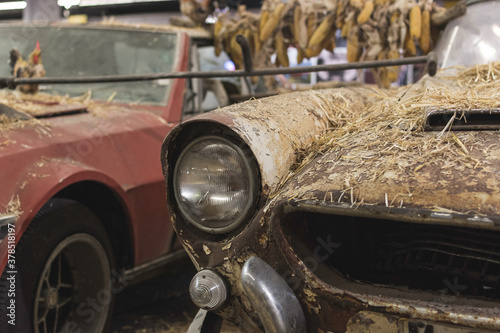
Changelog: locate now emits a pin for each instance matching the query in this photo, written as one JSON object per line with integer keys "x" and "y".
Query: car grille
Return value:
{"x": 455, "y": 261}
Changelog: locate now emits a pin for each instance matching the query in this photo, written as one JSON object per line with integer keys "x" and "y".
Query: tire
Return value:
{"x": 64, "y": 263}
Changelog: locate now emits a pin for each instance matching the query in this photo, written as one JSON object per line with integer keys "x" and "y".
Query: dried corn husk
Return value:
{"x": 297, "y": 18}
{"x": 281, "y": 51}
{"x": 415, "y": 22}
{"x": 370, "y": 27}
{"x": 392, "y": 72}
{"x": 263, "y": 19}
{"x": 425, "y": 38}
{"x": 311, "y": 25}
{"x": 353, "y": 48}
{"x": 272, "y": 22}
{"x": 300, "y": 55}
{"x": 323, "y": 31}
{"x": 358, "y": 4}
{"x": 382, "y": 72}
{"x": 367, "y": 11}
{"x": 411, "y": 48}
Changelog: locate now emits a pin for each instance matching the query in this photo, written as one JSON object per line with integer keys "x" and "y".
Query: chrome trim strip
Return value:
{"x": 274, "y": 301}
{"x": 412, "y": 214}
{"x": 140, "y": 270}
{"x": 5, "y": 220}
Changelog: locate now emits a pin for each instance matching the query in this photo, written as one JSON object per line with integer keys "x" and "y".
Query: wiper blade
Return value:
{"x": 430, "y": 60}
{"x": 12, "y": 113}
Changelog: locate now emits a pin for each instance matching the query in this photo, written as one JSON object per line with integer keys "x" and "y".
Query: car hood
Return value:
{"x": 448, "y": 180}
{"x": 15, "y": 106}
{"x": 19, "y": 110}
{"x": 355, "y": 153}
{"x": 372, "y": 146}
{"x": 38, "y": 105}
{"x": 380, "y": 154}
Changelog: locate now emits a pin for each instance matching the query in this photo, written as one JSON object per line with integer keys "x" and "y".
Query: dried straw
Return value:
{"x": 14, "y": 206}
{"x": 36, "y": 105}
{"x": 31, "y": 104}
{"x": 384, "y": 129}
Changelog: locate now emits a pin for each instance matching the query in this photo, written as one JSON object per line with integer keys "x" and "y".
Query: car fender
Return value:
{"x": 274, "y": 128}
{"x": 40, "y": 182}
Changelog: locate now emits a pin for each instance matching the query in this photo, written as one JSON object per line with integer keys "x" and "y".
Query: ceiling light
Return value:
{"x": 68, "y": 3}
{"x": 13, "y": 5}
{"x": 86, "y": 3}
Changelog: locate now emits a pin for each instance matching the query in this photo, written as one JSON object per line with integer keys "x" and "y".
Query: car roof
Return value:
{"x": 472, "y": 2}
{"x": 195, "y": 33}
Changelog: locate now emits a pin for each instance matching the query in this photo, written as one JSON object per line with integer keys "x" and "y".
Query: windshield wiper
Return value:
{"x": 12, "y": 113}
{"x": 430, "y": 60}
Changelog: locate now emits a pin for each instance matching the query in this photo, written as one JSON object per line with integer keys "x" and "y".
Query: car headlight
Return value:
{"x": 215, "y": 185}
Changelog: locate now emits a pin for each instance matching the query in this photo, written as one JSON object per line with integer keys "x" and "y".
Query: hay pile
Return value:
{"x": 13, "y": 207}
{"x": 32, "y": 104}
{"x": 387, "y": 132}
{"x": 38, "y": 105}
{"x": 4, "y": 120}
{"x": 8, "y": 124}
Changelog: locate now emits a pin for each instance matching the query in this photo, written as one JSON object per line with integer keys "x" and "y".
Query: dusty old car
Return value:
{"x": 354, "y": 209}
{"x": 82, "y": 211}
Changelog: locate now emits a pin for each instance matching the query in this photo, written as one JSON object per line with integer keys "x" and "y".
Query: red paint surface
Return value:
{"x": 119, "y": 148}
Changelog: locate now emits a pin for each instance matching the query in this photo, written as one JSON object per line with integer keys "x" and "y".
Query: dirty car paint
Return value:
{"x": 358, "y": 152}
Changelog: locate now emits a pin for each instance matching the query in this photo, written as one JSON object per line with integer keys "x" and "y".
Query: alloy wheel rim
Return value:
{"x": 77, "y": 269}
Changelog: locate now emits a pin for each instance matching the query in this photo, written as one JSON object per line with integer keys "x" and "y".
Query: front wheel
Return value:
{"x": 64, "y": 263}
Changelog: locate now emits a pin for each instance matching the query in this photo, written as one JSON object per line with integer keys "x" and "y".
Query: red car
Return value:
{"x": 82, "y": 206}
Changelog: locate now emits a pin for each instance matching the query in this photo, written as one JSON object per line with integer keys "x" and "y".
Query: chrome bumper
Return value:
{"x": 5, "y": 221}
{"x": 274, "y": 301}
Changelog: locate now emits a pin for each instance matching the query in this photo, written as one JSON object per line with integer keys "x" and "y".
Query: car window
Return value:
{"x": 214, "y": 90}
{"x": 91, "y": 51}
{"x": 204, "y": 95}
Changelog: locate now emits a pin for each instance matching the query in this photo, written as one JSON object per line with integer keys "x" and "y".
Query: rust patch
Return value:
{"x": 366, "y": 150}
{"x": 311, "y": 299}
{"x": 189, "y": 249}
{"x": 372, "y": 322}
{"x": 378, "y": 146}
{"x": 263, "y": 240}
{"x": 206, "y": 249}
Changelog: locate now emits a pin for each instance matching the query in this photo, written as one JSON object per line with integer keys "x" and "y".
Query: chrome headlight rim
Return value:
{"x": 254, "y": 182}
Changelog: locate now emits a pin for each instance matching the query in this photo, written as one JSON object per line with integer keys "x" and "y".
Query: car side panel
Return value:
{"x": 119, "y": 148}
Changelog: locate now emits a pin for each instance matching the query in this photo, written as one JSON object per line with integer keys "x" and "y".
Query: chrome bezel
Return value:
{"x": 5, "y": 220}
{"x": 253, "y": 182}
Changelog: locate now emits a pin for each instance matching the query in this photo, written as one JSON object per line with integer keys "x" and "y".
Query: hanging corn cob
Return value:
{"x": 415, "y": 22}
{"x": 425, "y": 37}
{"x": 271, "y": 24}
{"x": 374, "y": 29}
{"x": 367, "y": 11}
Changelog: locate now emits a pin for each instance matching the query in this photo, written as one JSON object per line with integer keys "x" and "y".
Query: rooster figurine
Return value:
{"x": 27, "y": 69}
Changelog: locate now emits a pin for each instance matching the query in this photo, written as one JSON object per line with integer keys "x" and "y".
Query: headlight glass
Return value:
{"x": 214, "y": 184}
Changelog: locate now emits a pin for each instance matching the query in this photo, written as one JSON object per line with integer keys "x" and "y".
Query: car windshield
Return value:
{"x": 86, "y": 51}
{"x": 473, "y": 38}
